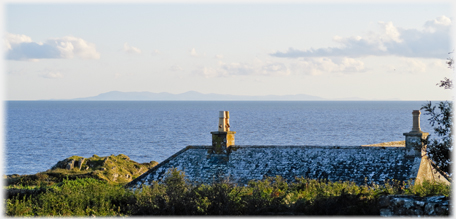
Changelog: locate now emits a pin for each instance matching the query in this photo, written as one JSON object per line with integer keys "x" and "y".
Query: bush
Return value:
{"x": 80, "y": 197}
{"x": 438, "y": 148}
{"x": 176, "y": 196}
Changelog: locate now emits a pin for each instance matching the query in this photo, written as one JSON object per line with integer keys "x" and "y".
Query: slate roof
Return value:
{"x": 243, "y": 163}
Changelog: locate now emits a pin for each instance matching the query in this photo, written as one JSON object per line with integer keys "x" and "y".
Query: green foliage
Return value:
{"x": 174, "y": 195}
{"x": 439, "y": 148}
{"x": 428, "y": 188}
{"x": 19, "y": 207}
{"x": 441, "y": 118}
{"x": 80, "y": 197}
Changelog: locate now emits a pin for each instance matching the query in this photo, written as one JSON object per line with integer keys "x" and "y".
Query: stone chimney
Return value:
{"x": 223, "y": 138}
{"x": 413, "y": 139}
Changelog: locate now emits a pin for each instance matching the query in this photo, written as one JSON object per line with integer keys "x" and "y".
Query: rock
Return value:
{"x": 418, "y": 212}
{"x": 60, "y": 164}
{"x": 79, "y": 163}
{"x": 386, "y": 212}
{"x": 399, "y": 211}
{"x": 408, "y": 203}
{"x": 70, "y": 164}
{"x": 441, "y": 210}
{"x": 397, "y": 201}
{"x": 435, "y": 199}
{"x": 397, "y": 205}
{"x": 429, "y": 209}
{"x": 384, "y": 201}
{"x": 420, "y": 203}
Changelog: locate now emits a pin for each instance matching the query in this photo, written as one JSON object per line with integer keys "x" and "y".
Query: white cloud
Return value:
{"x": 237, "y": 69}
{"x": 71, "y": 46}
{"x": 320, "y": 65}
{"x": 257, "y": 67}
{"x": 193, "y": 52}
{"x": 21, "y": 47}
{"x": 52, "y": 75}
{"x": 176, "y": 68}
{"x": 433, "y": 41}
{"x": 14, "y": 39}
{"x": 389, "y": 33}
{"x": 220, "y": 56}
{"x": 438, "y": 64}
{"x": 156, "y": 52}
{"x": 412, "y": 66}
{"x": 306, "y": 66}
{"x": 131, "y": 49}
{"x": 439, "y": 23}
{"x": 208, "y": 72}
{"x": 275, "y": 69}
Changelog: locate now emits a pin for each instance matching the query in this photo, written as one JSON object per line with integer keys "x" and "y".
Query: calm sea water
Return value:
{"x": 41, "y": 133}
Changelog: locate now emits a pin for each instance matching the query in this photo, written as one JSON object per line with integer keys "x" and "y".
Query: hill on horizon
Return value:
{"x": 192, "y": 95}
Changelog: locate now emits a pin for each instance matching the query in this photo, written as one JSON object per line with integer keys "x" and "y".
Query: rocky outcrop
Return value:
{"x": 118, "y": 169}
{"x": 74, "y": 162}
{"x": 67, "y": 164}
{"x": 399, "y": 205}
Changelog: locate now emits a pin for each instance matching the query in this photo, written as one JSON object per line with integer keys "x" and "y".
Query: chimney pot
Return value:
{"x": 416, "y": 121}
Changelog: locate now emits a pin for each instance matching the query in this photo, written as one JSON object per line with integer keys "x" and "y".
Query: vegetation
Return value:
{"x": 112, "y": 169}
{"x": 438, "y": 148}
{"x": 441, "y": 118}
{"x": 176, "y": 196}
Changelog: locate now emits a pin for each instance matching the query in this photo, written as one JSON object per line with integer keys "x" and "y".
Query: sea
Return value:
{"x": 38, "y": 134}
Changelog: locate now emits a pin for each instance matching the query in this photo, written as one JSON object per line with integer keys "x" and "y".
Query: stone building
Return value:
{"x": 242, "y": 163}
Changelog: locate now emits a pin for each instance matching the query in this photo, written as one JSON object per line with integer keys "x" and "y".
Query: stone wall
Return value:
{"x": 398, "y": 205}
{"x": 244, "y": 163}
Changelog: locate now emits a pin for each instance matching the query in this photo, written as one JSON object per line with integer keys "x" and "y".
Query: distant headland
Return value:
{"x": 194, "y": 95}
{"x": 191, "y": 95}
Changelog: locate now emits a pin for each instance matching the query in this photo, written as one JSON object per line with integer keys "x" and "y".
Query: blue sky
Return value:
{"x": 332, "y": 50}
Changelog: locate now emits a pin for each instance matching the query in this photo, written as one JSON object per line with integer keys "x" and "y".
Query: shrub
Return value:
{"x": 80, "y": 197}
{"x": 176, "y": 196}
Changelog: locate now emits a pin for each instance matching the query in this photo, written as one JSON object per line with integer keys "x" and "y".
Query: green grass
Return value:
{"x": 176, "y": 196}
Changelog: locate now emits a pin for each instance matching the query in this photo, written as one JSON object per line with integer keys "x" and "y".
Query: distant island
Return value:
{"x": 193, "y": 95}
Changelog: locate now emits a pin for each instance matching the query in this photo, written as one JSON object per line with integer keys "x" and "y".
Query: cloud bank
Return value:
{"x": 433, "y": 41}
{"x": 301, "y": 66}
{"x": 258, "y": 68}
{"x": 317, "y": 66}
{"x": 21, "y": 47}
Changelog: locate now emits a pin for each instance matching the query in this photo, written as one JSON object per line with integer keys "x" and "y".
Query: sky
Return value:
{"x": 337, "y": 50}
